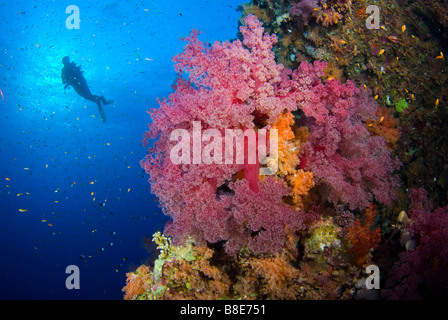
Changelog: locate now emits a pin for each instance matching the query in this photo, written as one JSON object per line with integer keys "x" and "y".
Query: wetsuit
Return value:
{"x": 71, "y": 75}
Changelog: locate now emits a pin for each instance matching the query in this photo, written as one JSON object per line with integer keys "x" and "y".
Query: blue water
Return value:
{"x": 87, "y": 201}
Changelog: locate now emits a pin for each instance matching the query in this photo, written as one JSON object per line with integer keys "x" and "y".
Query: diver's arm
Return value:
{"x": 64, "y": 79}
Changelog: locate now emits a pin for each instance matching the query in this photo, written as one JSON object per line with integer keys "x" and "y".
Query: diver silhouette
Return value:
{"x": 71, "y": 75}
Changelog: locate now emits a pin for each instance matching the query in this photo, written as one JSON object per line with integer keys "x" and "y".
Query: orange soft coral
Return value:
{"x": 290, "y": 140}
{"x": 283, "y": 125}
{"x": 137, "y": 282}
{"x": 269, "y": 278}
{"x": 387, "y": 127}
{"x": 302, "y": 183}
{"x": 362, "y": 238}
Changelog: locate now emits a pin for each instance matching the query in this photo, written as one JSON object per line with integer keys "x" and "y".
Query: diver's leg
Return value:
{"x": 104, "y": 101}
{"x": 100, "y": 109}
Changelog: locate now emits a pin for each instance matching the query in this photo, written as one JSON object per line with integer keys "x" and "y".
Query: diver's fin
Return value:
{"x": 102, "y": 114}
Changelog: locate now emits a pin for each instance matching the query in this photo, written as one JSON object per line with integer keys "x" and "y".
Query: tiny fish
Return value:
{"x": 3, "y": 97}
{"x": 437, "y": 103}
{"x": 403, "y": 28}
{"x": 23, "y": 210}
{"x": 381, "y": 52}
{"x": 394, "y": 39}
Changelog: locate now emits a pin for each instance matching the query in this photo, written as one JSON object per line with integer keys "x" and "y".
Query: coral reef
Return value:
{"x": 307, "y": 230}
{"x": 232, "y": 86}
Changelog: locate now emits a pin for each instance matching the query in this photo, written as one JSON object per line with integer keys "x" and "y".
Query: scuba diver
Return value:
{"x": 71, "y": 75}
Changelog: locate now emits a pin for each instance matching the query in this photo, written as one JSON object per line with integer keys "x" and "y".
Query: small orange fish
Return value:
{"x": 381, "y": 119}
{"x": 440, "y": 56}
{"x": 394, "y": 39}
{"x": 403, "y": 28}
{"x": 437, "y": 103}
{"x": 381, "y": 52}
{"x": 23, "y": 210}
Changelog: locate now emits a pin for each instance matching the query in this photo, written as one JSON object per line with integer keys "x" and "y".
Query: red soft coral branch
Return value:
{"x": 362, "y": 238}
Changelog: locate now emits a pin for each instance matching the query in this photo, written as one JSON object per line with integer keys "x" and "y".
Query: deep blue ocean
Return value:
{"x": 72, "y": 190}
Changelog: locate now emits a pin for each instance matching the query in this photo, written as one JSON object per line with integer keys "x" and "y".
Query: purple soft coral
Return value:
{"x": 421, "y": 271}
{"x": 304, "y": 9}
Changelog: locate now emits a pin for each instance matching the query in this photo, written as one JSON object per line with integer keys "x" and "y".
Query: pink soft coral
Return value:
{"x": 238, "y": 85}
{"x": 352, "y": 164}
